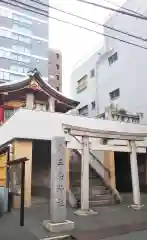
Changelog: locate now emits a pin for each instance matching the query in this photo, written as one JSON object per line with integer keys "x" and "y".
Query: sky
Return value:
{"x": 76, "y": 44}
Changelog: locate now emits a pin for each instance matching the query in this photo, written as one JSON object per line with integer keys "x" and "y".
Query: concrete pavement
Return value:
{"x": 111, "y": 221}
{"x": 142, "y": 235}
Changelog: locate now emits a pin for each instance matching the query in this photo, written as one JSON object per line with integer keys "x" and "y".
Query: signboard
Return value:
{"x": 15, "y": 179}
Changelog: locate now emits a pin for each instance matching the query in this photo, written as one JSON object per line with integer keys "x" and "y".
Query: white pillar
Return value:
{"x": 51, "y": 107}
{"x": 30, "y": 101}
{"x": 134, "y": 172}
{"x": 85, "y": 175}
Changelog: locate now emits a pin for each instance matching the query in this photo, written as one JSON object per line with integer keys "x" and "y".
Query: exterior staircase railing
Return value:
{"x": 107, "y": 179}
{"x": 101, "y": 170}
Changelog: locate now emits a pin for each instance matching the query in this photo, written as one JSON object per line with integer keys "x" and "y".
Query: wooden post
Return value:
{"x": 22, "y": 194}
{"x": 51, "y": 107}
{"x": 24, "y": 149}
{"x": 109, "y": 163}
{"x": 30, "y": 101}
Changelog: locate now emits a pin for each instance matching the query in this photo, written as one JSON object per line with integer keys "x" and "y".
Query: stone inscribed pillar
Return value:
{"x": 58, "y": 220}
{"x": 58, "y": 181}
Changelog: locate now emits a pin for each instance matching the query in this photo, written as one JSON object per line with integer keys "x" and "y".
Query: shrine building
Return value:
{"x": 32, "y": 93}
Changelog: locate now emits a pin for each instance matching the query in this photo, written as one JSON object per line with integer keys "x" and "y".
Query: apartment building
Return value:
{"x": 55, "y": 69}
{"x": 121, "y": 70}
{"x": 83, "y": 85}
{"x": 23, "y": 41}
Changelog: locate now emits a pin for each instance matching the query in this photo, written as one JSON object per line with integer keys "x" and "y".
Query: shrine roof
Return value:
{"x": 34, "y": 81}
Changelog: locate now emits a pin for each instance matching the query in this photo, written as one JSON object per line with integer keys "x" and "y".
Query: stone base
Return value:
{"x": 81, "y": 212}
{"x": 136, "y": 206}
{"x": 65, "y": 237}
{"x": 58, "y": 227}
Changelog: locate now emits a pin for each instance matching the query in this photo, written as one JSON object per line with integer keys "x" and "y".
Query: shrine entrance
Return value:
{"x": 123, "y": 172}
{"x": 41, "y": 164}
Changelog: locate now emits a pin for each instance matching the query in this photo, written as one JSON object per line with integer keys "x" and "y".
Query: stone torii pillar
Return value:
{"x": 135, "y": 176}
{"x": 85, "y": 210}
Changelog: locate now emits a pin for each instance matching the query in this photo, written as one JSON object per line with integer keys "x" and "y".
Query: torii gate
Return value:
{"x": 82, "y": 139}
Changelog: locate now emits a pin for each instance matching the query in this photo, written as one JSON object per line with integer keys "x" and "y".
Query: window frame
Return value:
{"x": 57, "y": 66}
{"x": 113, "y": 58}
{"x": 93, "y": 105}
{"x": 92, "y": 73}
{"x": 57, "y": 77}
{"x": 83, "y": 108}
{"x": 114, "y": 94}
{"x": 57, "y": 55}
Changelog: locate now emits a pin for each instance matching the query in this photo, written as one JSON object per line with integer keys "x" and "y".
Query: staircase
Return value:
{"x": 99, "y": 193}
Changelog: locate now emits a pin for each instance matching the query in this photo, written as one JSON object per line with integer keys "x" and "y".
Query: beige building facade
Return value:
{"x": 55, "y": 69}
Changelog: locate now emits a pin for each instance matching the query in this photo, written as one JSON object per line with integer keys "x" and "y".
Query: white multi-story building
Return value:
{"x": 83, "y": 85}
{"x": 121, "y": 72}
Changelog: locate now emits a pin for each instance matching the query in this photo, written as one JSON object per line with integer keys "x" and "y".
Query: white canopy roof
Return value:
{"x": 35, "y": 124}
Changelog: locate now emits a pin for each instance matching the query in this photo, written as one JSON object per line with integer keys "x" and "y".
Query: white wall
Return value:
{"x": 129, "y": 72}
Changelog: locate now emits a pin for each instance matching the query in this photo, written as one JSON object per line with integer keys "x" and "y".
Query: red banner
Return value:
{"x": 1, "y": 114}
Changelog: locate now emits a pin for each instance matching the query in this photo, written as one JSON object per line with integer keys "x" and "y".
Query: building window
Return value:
{"x": 82, "y": 84}
{"x": 57, "y": 88}
{"x": 21, "y": 19}
{"x": 19, "y": 69}
{"x": 24, "y": 59}
{"x": 57, "y": 76}
{"x": 5, "y": 33}
{"x": 15, "y": 56}
{"x": 83, "y": 110}
{"x": 57, "y": 66}
{"x": 57, "y": 55}
{"x": 24, "y": 39}
{"x": 92, "y": 73}
{"x": 5, "y": 13}
{"x": 4, "y": 76}
{"x": 14, "y": 36}
{"x": 93, "y": 105}
{"x": 21, "y": 48}
{"x": 113, "y": 58}
{"x": 114, "y": 94}
{"x": 14, "y": 77}
{"x": 22, "y": 29}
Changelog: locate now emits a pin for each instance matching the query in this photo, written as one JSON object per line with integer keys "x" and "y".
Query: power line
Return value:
{"x": 75, "y": 25}
{"x": 122, "y": 7}
{"x": 88, "y": 20}
{"x": 114, "y": 10}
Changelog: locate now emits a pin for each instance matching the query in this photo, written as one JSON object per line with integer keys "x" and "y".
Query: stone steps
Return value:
{"x": 99, "y": 194}
{"x": 100, "y": 197}
{"x": 104, "y": 202}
